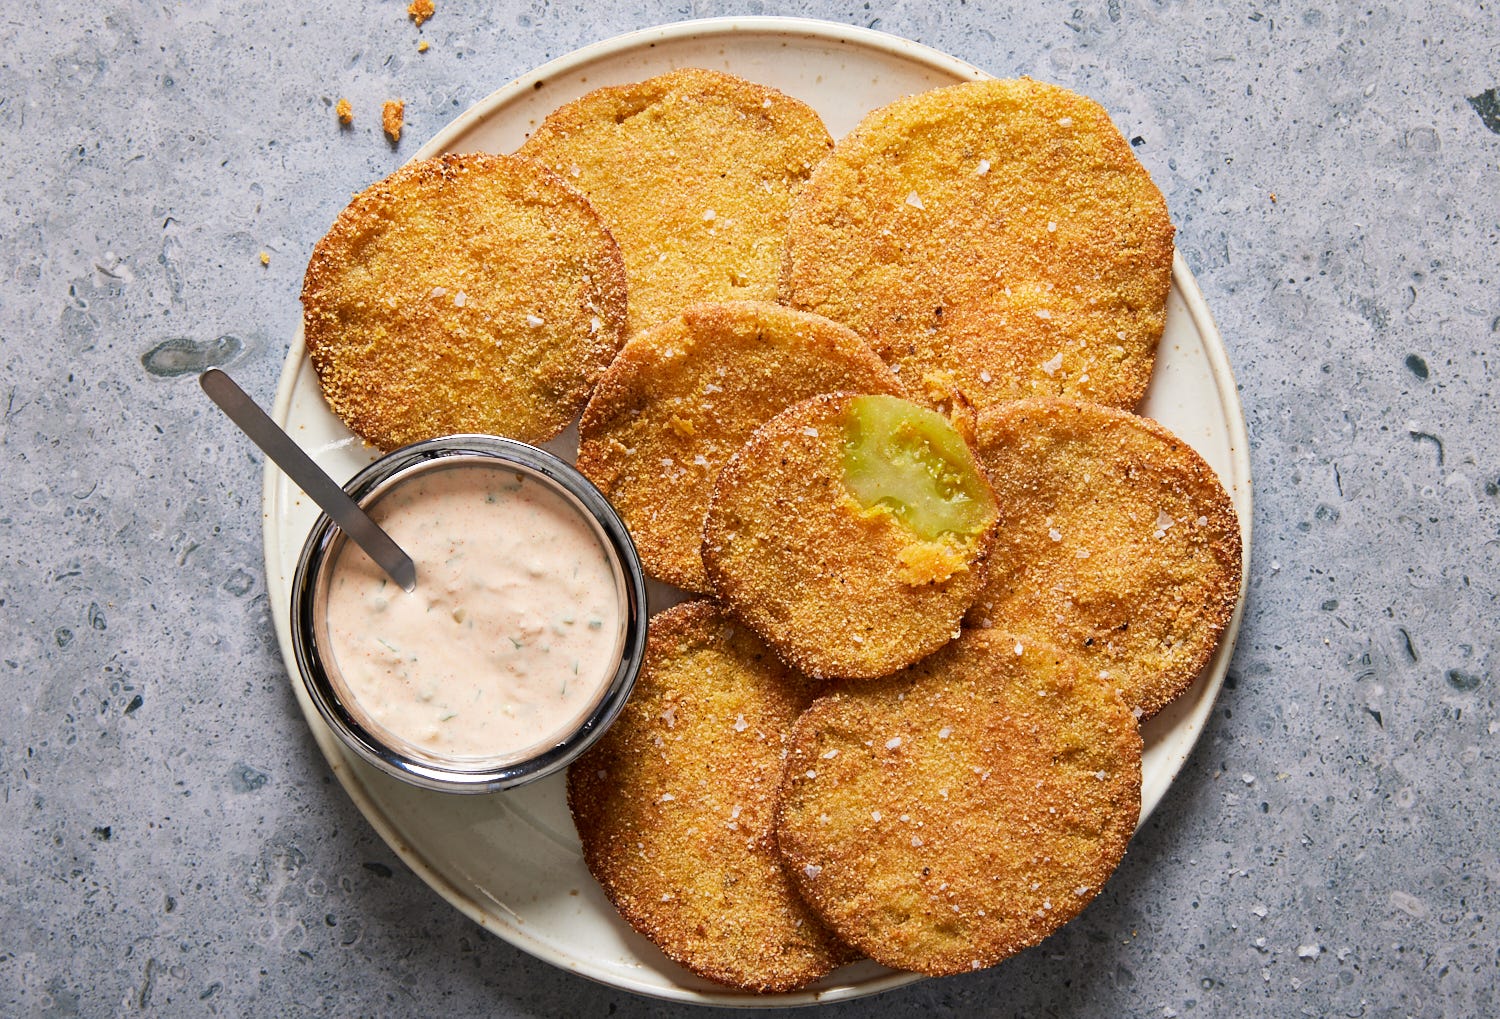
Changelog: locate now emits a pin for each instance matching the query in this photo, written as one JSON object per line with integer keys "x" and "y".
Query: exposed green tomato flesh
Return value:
{"x": 909, "y": 460}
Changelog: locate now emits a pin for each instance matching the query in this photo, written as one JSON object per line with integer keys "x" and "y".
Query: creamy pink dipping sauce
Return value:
{"x": 514, "y": 630}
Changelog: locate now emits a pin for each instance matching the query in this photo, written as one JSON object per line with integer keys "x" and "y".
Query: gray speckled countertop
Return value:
{"x": 172, "y": 842}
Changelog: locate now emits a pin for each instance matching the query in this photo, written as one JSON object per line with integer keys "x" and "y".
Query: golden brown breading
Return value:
{"x": 344, "y": 112}
{"x": 473, "y": 293}
{"x": 682, "y": 397}
{"x": 840, "y": 584}
{"x": 947, "y": 817}
{"x": 1118, "y": 544}
{"x": 675, "y": 807}
{"x": 997, "y": 237}
{"x": 420, "y": 10}
{"x": 693, "y": 171}
{"x": 392, "y": 117}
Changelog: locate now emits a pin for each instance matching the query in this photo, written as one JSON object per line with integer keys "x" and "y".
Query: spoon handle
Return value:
{"x": 309, "y": 477}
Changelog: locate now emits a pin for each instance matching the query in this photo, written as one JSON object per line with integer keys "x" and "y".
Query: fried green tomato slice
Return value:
{"x": 675, "y": 807}
{"x": 1118, "y": 544}
{"x": 465, "y": 293}
{"x": 944, "y": 818}
{"x": 682, "y": 398}
{"x": 850, "y": 533}
{"x": 998, "y": 238}
{"x": 694, "y": 172}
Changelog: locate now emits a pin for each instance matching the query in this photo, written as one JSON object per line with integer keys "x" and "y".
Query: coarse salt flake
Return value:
{"x": 831, "y": 754}
{"x": 945, "y": 732}
{"x": 667, "y": 797}
{"x": 1201, "y": 521}
{"x": 1051, "y": 226}
{"x": 439, "y": 291}
{"x": 1064, "y": 121}
{"x": 983, "y": 168}
{"x": 985, "y": 376}
{"x": 1020, "y": 648}
{"x": 893, "y": 743}
{"x": 812, "y": 870}
{"x": 709, "y": 387}
{"x": 1082, "y": 553}
{"x": 734, "y": 813}
{"x": 916, "y": 840}
{"x": 460, "y": 299}
{"x": 1163, "y": 520}
{"x": 915, "y": 201}
{"x": 595, "y": 325}
{"x": 740, "y": 725}
{"x": 875, "y": 815}
{"x": 535, "y": 321}
{"x": 709, "y": 215}
{"x": 1052, "y": 365}
{"x": 1055, "y": 534}
{"x": 1044, "y": 313}
{"x": 810, "y": 431}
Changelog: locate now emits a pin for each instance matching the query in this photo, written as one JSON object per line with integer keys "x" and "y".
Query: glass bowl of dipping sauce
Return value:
{"x": 522, "y": 639}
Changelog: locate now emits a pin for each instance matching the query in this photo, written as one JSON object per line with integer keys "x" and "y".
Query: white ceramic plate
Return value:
{"x": 511, "y": 861}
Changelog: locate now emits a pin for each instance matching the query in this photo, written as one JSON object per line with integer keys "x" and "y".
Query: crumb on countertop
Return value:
{"x": 265, "y": 258}
{"x": 422, "y": 46}
{"x": 392, "y": 116}
{"x": 344, "y": 111}
{"x": 420, "y": 11}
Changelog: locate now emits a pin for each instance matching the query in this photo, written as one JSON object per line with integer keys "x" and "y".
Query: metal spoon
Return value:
{"x": 309, "y": 477}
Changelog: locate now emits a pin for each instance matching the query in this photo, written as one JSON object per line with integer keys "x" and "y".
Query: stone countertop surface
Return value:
{"x": 171, "y": 840}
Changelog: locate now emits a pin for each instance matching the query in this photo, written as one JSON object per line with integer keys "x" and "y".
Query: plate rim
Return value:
{"x": 698, "y": 29}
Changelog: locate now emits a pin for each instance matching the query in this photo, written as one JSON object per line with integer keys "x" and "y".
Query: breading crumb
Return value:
{"x": 344, "y": 111}
{"x": 420, "y": 11}
{"x": 265, "y": 258}
{"x": 392, "y": 116}
{"x": 423, "y": 47}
